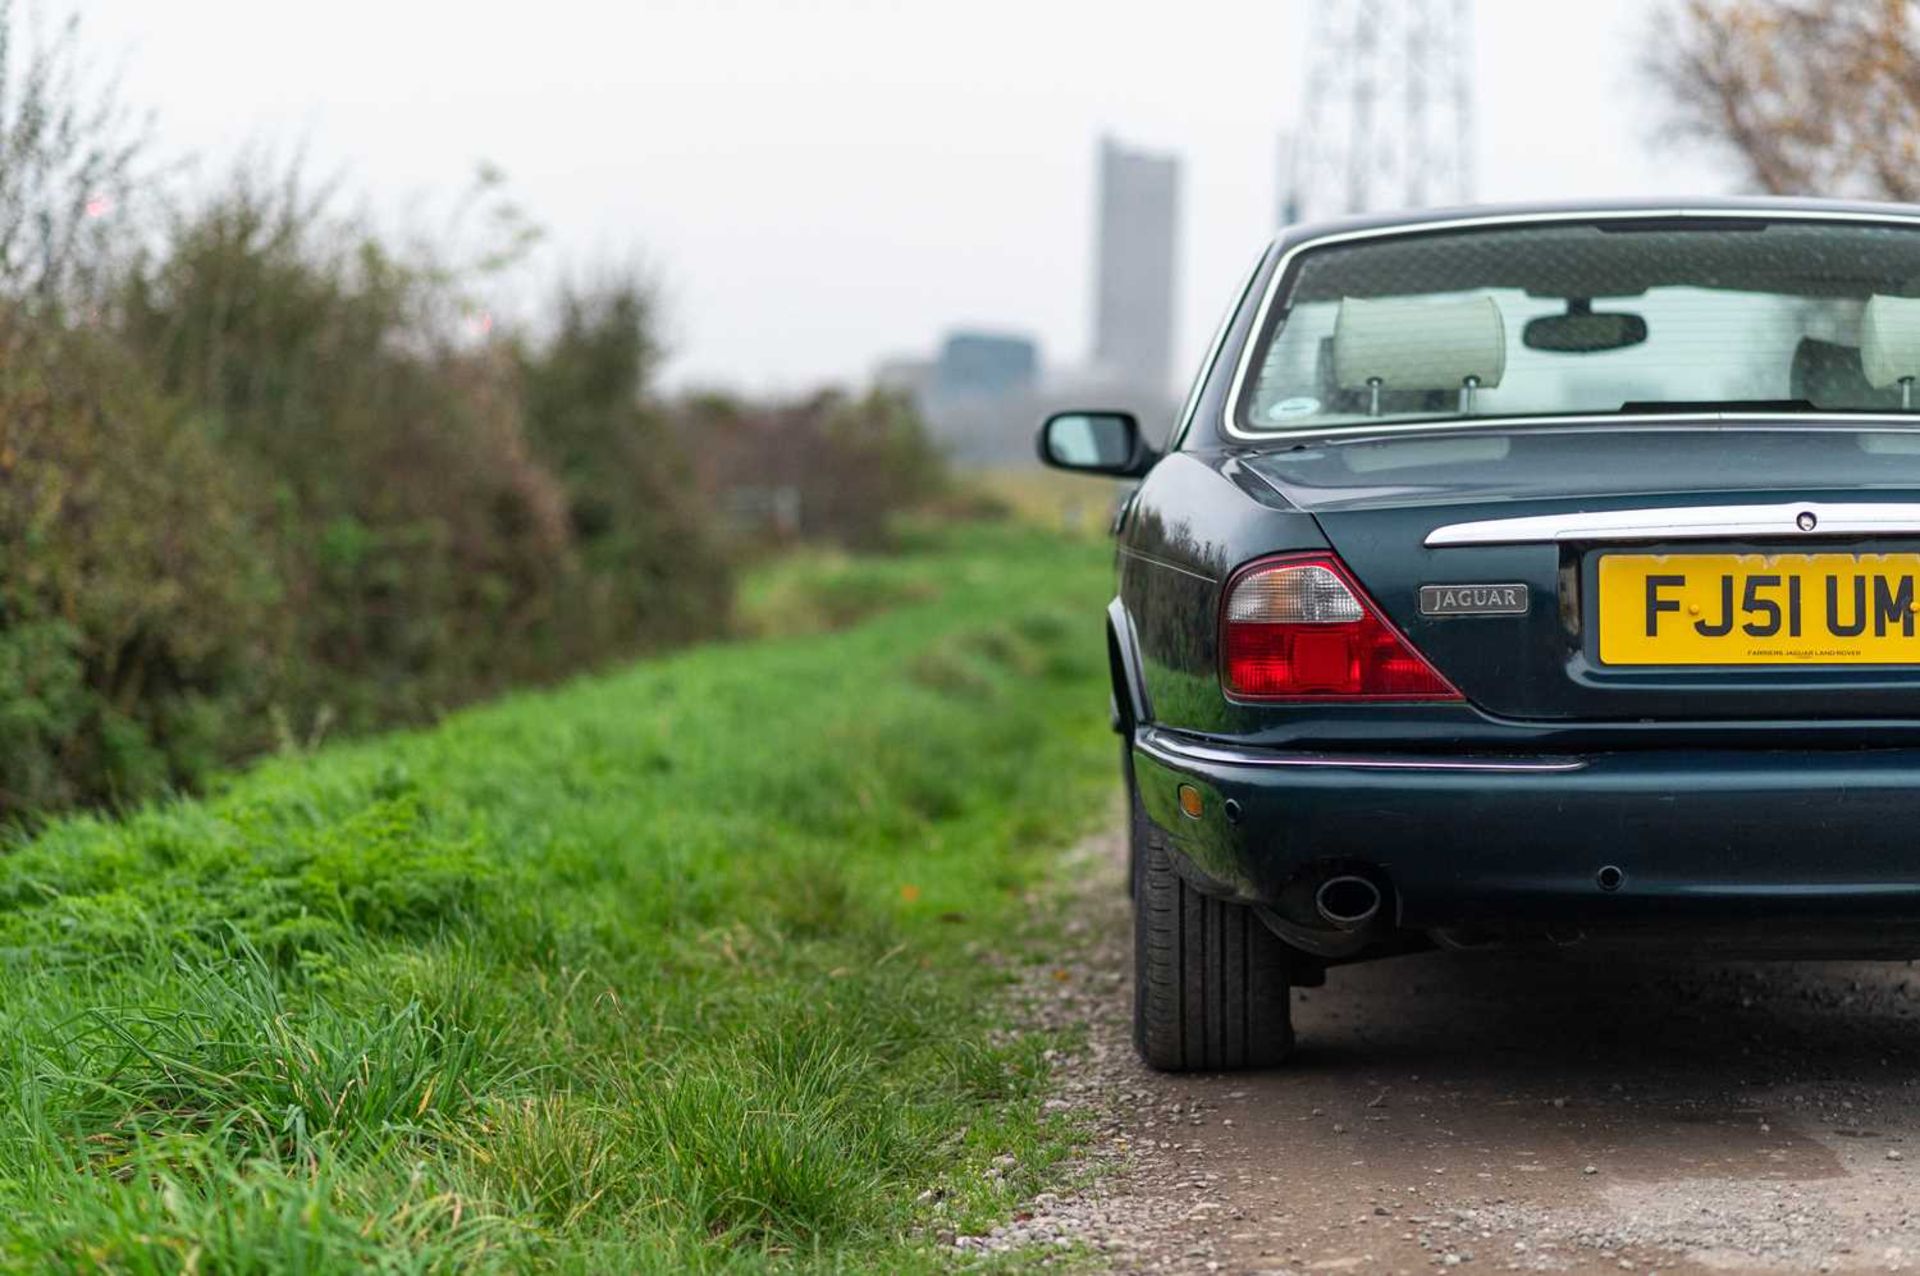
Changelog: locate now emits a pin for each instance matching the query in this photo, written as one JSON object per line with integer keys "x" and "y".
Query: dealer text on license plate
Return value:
{"x": 1754, "y": 609}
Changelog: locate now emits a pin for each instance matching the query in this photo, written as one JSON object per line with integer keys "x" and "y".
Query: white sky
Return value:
{"x": 820, "y": 183}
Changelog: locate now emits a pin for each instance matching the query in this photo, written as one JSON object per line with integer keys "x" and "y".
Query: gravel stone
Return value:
{"x": 1743, "y": 1113}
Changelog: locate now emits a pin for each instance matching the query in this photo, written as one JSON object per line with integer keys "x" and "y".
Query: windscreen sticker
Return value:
{"x": 1289, "y": 408}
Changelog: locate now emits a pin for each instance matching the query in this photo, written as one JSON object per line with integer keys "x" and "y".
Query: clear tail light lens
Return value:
{"x": 1301, "y": 628}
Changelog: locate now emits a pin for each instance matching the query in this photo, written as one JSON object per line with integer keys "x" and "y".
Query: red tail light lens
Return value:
{"x": 1301, "y": 628}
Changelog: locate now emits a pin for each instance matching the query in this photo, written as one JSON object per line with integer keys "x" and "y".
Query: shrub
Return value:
{"x": 136, "y": 613}
{"x": 845, "y": 464}
{"x": 274, "y": 479}
{"x": 641, "y": 528}
{"x": 414, "y": 521}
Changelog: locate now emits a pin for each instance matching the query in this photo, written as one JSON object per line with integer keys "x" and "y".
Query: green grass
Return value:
{"x": 692, "y": 967}
{"x": 812, "y": 591}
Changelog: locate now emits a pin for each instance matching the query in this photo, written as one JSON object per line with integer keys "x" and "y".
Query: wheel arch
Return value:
{"x": 1130, "y": 705}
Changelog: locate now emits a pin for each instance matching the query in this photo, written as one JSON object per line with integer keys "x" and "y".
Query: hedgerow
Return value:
{"x": 268, "y": 475}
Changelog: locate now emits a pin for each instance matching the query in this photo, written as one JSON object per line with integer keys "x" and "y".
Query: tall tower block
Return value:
{"x": 1135, "y": 269}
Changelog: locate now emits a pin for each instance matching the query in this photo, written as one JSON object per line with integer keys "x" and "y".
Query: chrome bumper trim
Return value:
{"x": 1793, "y": 520}
{"x": 1176, "y": 750}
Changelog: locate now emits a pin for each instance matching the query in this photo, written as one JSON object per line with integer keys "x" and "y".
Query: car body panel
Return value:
{"x": 1190, "y": 524}
{"x": 1695, "y": 834}
{"x": 1774, "y": 799}
{"x": 1613, "y": 466}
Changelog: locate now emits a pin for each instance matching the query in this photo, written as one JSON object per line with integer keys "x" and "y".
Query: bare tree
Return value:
{"x": 1812, "y": 97}
{"x": 67, "y": 151}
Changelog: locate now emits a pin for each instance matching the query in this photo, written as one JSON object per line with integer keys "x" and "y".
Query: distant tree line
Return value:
{"x": 830, "y": 464}
{"x": 268, "y": 475}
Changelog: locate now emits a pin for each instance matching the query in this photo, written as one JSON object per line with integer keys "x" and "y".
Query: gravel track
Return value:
{"x": 1501, "y": 1112}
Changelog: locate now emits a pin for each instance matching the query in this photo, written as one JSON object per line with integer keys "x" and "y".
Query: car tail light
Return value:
{"x": 1300, "y": 628}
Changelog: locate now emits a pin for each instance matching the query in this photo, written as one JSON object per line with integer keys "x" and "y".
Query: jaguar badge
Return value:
{"x": 1473, "y": 600}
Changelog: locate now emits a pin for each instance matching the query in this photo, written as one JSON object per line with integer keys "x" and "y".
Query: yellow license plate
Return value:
{"x": 1759, "y": 609}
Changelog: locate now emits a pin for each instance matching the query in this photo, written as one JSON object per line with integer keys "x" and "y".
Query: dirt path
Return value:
{"x": 1507, "y": 1113}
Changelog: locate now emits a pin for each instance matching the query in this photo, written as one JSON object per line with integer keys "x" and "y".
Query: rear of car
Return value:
{"x": 1545, "y": 576}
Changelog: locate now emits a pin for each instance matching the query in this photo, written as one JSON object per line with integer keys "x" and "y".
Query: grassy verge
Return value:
{"x": 1067, "y": 503}
{"x": 811, "y": 591}
{"x": 685, "y": 968}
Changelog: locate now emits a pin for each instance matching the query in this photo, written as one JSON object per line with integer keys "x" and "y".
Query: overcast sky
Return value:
{"x": 821, "y": 183}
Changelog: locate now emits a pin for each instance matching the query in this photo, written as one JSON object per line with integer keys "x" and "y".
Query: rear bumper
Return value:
{"x": 1761, "y": 839}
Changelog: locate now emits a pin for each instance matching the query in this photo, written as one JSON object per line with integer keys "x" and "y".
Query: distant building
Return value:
{"x": 977, "y": 396}
{"x": 1138, "y": 231}
{"x": 990, "y": 364}
{"x": 984, "y": 393}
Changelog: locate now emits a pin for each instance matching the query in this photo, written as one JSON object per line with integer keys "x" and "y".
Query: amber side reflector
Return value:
{"x": 1190, "y": 801}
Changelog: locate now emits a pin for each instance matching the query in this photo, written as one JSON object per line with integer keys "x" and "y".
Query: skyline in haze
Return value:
{"x": 1136, "y": 285}
{"x": 818, "y": 186}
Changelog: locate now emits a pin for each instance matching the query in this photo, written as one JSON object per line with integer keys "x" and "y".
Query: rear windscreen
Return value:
{"x": 1585, "y": 319}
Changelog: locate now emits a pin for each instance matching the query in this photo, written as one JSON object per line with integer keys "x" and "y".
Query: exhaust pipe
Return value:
{"x": 1347, "y": 902}
{"x": 1347, "y": 914}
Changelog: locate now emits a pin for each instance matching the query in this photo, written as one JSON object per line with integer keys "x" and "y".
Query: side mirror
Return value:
{"x": 1096, "y": 443}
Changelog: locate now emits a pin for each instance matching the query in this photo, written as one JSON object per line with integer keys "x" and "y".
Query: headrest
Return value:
{"x": 1419, "y": 345}
{"x": 1828, "y": 375}
{"x": 1890, "y": 339}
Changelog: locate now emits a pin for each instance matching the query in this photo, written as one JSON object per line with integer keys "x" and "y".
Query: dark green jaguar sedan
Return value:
{"x": 1523, "y": 576}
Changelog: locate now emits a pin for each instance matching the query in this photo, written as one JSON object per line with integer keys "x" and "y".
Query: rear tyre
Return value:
{"x": 1210, "y": 981}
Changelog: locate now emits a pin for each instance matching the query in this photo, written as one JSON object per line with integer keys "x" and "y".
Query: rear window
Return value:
{"x": 1625, "y": 317}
